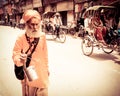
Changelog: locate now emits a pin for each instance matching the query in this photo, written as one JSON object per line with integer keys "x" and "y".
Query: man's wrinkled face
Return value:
{"x": 33, "y": 24}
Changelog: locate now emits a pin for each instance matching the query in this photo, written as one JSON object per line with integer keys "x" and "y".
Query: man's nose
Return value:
{"x": 35, "y": 26}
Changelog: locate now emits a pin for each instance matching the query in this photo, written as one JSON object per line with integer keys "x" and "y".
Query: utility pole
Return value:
{"x": 74, "y": 9}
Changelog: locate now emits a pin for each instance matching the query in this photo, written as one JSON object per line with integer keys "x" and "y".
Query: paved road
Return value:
{"x": 72, "y": 73}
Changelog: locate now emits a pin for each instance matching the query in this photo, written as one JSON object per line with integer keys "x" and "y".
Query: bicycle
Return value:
{"x": 59, "y": 33}
{"x": 76, "y": 30}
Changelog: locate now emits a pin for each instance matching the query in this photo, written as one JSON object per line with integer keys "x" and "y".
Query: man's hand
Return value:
{"x": 23, "y": 57}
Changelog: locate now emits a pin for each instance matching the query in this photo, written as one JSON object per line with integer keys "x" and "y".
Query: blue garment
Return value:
{"x": 118, "y": 31}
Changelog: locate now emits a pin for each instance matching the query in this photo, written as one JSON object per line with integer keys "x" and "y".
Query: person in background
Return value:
{"x": 99, "y": 29}
{"x": 118, "y": 28}
{"x": 39, "y": 59}
{"x": 87, "y": 24}
{"x": 57, "y": 22}
{"x": 110, "y": 22}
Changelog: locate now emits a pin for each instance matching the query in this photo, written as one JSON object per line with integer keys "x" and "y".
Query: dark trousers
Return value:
{"x": 57, "y": 29}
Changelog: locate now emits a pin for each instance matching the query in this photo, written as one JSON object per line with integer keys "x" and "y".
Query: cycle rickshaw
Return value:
{"x": 90, "y": 41}
{"x": 49, "y": 27}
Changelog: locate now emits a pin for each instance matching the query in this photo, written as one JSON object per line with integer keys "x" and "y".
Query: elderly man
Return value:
{"x": 24, "y": 46}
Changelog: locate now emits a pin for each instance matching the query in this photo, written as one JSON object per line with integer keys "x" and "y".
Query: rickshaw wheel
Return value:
{"x": 87, "y": 46}
{"x": 62, "y": 36}
{"x": 110, "y": 47}
{"x": 54, "y": 35}
{"x": 51, "y": 29}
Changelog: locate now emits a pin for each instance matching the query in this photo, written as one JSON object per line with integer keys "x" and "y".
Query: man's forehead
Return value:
{"x": 34, "y": 19}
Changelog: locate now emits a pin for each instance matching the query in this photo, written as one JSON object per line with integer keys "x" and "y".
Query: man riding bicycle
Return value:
{"x": 57, "y": 23}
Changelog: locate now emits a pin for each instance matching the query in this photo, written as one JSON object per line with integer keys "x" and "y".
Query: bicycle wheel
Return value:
{"x": 62, "y": 36}
{"x": 51, "y": 29}
{"x": 54, "y": 34}
{"x": 110, "y": 47}
{"x": 87, "y": 46}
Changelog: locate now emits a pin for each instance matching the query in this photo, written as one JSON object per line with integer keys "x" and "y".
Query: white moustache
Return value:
{"x": 33, "y": 33}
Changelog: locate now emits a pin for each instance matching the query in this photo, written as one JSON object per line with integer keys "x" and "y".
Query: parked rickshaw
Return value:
{"x": 111, "y": 37}
{"x": 49, "y": 27}
{"x": 76, "y": 29}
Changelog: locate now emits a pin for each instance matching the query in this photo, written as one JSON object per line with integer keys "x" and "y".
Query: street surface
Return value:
{"x": 71, "y": 73}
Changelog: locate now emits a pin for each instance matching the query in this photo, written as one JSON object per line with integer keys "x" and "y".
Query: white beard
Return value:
{"x": 31, "y": 33}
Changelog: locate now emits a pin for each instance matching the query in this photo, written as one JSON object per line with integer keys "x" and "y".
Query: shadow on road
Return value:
{"x": 104, "y": 57}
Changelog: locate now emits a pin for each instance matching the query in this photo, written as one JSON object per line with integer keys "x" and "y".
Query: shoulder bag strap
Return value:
{"x": 36, "y": 40}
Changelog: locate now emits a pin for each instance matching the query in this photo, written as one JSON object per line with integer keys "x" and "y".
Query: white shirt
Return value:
{"x": 57, "y": 21}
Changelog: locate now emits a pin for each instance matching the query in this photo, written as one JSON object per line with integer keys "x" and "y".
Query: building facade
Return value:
{"x": 12, "y": 10}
